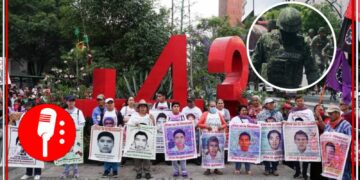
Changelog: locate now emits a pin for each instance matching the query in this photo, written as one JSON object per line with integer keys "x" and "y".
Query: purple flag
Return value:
{"x": 339, "y": 76}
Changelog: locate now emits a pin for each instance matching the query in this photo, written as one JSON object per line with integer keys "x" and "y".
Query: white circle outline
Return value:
{"x": 301, "y": 88}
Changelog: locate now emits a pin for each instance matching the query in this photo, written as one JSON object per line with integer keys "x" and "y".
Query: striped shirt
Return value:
{"x": 343, "y": 127}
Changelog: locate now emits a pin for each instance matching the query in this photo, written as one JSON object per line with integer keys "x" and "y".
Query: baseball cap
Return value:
{"x": 100, "y": 96}
{"x": 70, "y": 98}
{"x": 269, "y": 100}
{"x": 333, "y": 108}
{"x": 109, "y": 100}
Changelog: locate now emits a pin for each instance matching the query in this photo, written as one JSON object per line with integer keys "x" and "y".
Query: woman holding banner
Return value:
{"x": 212, "y": 121}
{"x": 142, "y": 117}
{"x": 242, "y": 118}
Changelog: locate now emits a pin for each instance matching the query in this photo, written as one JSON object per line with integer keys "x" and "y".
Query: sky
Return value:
{"x": 209, "y": 8}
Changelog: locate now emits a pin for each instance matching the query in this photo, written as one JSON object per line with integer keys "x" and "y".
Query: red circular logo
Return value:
{"x": 47, "y": 132}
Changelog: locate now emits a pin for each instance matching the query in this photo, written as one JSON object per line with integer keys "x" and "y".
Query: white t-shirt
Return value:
{"x": 213, "y": 120}
{"x": 110, "y": 115}
{"x": 78, "y": 116}
{"x": 127, "y": 111}
{"x": 305, "y": 115}
{"x": 162, "y": 106}
{"x": 237, "y": 120}
{"x": 137, "y": 119}
{"x": 195, "y": 111}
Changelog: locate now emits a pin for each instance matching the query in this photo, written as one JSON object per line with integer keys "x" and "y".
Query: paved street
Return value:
{"x": 159, "y": 172}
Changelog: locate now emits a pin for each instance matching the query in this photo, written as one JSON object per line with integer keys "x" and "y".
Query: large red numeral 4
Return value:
{"x": 228, "y": 55}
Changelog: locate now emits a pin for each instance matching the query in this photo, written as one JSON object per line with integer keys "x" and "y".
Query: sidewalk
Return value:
{"x": 159, "y": 172}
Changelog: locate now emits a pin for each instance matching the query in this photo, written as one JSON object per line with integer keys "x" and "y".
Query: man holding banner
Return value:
{"x": 269, "y": 114}
{"x": 300, "y": 113}
{"x": 339, "y": 125}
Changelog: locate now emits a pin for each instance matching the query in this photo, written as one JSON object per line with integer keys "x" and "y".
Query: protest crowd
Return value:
{"x": 260, "y": 129}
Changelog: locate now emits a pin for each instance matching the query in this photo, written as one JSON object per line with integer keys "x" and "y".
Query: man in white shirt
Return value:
{"x": 161, "y": 104}
{"x": 192, "y": 109}
{"x": 300, "y": 111}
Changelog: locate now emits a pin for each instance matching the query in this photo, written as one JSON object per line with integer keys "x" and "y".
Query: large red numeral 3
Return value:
{"x": 228, "y": 55}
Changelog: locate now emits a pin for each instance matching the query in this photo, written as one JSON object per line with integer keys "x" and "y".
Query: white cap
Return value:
{"x": 269, "y": 100}
{"x": 108, "y": 100}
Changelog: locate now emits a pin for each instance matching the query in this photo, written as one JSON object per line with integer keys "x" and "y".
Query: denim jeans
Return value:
{"x": 111, "y": 165}
{"x": 67, "y": 168}
{"x": 176, "y": 167}
{"x": 238, "y": 166}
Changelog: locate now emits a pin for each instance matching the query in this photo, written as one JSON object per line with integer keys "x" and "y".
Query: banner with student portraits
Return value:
{"x": 160, "y": 118}
{"x": 140, "y": 142}
{"x": 106, "y": 143}
{"x": 334, "y": 147}
{"x": 76, "y": 154}
{"x": 301, "y": 141}
{"x": 212, "y": 152}
{"x": 244, "y": 143}
{"x": 179, "y": 140}
{"x": 17, "y": 156}
{"x": 272, "y": 141}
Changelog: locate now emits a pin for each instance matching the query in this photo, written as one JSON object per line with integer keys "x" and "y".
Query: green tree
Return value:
{"x": 200, "y": 39}
{"x": 34, "y": 33}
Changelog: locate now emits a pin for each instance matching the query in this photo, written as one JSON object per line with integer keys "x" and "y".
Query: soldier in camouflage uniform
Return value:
{"x": 310, "y": 36}
{"x": 317, "y": 45}
{"x": 328, "y": 51}
{"x": 281, "y": 55}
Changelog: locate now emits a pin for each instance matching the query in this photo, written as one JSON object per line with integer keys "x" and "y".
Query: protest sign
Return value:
{"x": 179, "y": 139}
{"x": 75, "y": 156}
{"x": 301, "y": 141}
{"x": 334, "y": 147}
{"x": 106, "y": 143}
{"x": 17, "y": 156}
{"x": 272, "y": 141}
{"x": 244, "y": 143}
{"x": 160, "y": 119}
{"x": 140, "y": 142}
{"x": 212, "y": 145}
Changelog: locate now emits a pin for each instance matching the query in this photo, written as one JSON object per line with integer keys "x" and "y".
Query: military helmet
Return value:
{"x": 289, "y": 20}
{"x": 321, "y": 29}
{"x": 311, "y": 30}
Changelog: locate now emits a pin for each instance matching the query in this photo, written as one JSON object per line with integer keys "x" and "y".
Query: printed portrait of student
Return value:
{"x": 197, "y": 161}
{"x": 160, "y": 119}
{"x": 301, "y": 140}
{"x": 140, "y": 141}
{"x": 213, "y": 149}
{"x": 244, "y": 143}
{"x": 179, "y": 140}
{"x": 330, "y": 155}
{"x": 105, "y": 142}
{"x": 274, "y": 139}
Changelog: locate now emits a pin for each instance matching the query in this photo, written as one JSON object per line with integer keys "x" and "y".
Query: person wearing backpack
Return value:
{"x": 161, "y": 103}
{"x": 79, "y": 121}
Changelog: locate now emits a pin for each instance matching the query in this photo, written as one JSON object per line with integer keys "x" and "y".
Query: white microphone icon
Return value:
{"x": 46, "y": 127}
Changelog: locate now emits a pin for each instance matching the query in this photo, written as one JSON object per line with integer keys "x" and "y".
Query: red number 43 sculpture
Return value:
{"x": 227, "y": 55}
